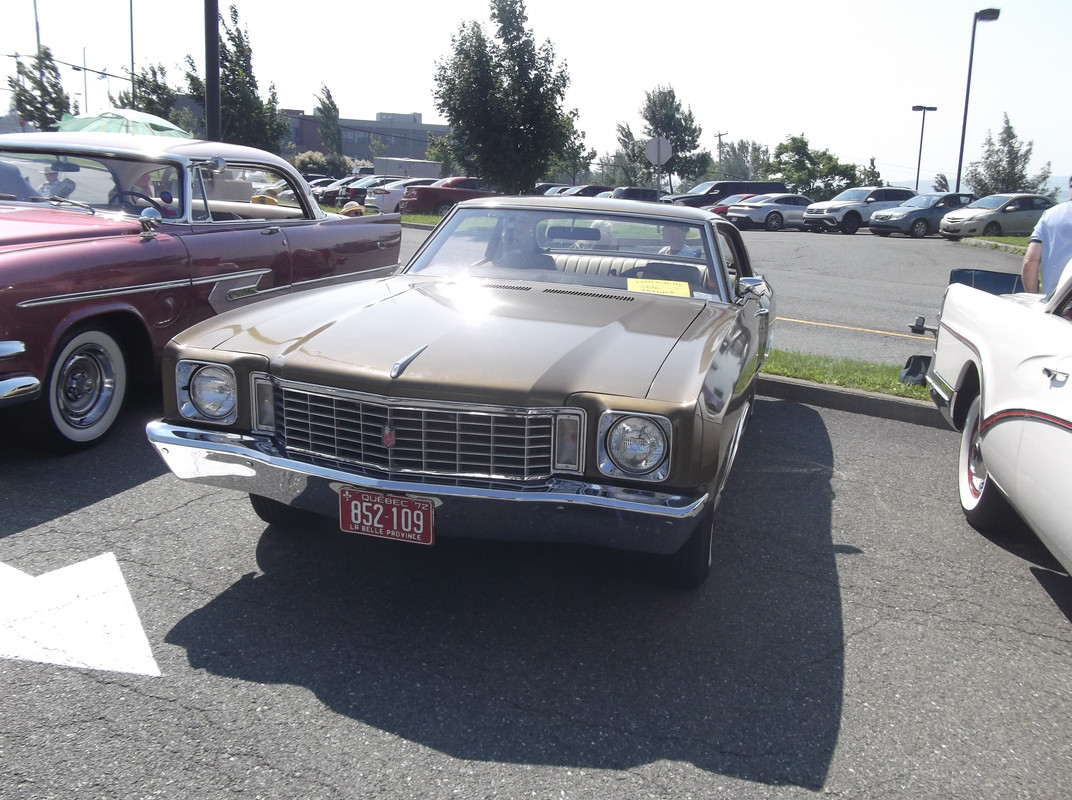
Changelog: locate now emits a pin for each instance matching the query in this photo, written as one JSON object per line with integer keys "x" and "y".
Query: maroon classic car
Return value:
{"x": 441, "y": 196}
{"x": 110, "y": 244}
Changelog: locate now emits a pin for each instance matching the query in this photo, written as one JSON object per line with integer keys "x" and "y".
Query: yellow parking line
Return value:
{"x": 851, "y": 328}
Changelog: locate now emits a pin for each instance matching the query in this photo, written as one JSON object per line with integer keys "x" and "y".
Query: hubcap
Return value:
{"x": 85, "y": 386}
{"x": 976, "y": 469}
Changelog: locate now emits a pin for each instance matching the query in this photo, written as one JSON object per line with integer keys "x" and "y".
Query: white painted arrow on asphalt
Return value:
{"x": 77, "y": 616}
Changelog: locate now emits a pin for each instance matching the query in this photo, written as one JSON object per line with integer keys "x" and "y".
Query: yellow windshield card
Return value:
{"x": 653, "y": 286}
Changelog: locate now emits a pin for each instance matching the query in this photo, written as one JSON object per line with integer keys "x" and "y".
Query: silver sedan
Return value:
{"x": 773, "y": 212}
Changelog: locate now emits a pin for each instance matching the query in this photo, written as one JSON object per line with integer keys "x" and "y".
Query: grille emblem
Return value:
{"x": 388, "y": 436}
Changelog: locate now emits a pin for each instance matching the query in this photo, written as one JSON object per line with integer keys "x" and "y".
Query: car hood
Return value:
{"x": 22, "y": 226}
{"x": 473, "y": 341}
{"x": 971, "y": 213}
{"x": 832, "y": 206}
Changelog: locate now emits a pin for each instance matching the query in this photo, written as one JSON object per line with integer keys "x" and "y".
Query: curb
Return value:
{"x": 988, "y": 245}
{"x": 901, "y": 409}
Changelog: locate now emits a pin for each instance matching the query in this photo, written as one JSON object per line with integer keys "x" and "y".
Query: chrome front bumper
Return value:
{"x": 559, "y": 510}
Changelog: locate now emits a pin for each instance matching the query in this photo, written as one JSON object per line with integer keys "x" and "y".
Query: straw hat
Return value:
{"x": 353, "y": 209}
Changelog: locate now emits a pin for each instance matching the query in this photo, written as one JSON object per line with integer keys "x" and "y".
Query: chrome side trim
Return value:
{"x": 138, "y": 289}
{"x": 18, "y": 390}
{"x": 11, "y": 349}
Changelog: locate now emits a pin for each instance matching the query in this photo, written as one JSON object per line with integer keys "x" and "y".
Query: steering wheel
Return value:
{"x": 140, "y": 196}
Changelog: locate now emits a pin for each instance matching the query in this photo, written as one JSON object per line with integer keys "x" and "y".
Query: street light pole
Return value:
{"x": 919, "y": 161}
{"x": 986, "y": 15}
{"x": 133, "y": 82}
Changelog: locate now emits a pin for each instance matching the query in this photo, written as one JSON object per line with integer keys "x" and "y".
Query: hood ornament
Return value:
{"x": 401, "y": 364}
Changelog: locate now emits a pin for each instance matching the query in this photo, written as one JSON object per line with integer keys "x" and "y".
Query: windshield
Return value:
{"x": 922, "y": 200}
{"x": 993, "y": 201}
{"x": 759, "y": 198}
{"x": 701, "y": 188}
{"x": 102, "y": 182}
{"x": 619, "y": 251}
{"x": 851, "y": 196}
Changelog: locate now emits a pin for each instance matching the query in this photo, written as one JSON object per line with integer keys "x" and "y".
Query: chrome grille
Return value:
{"x": 349, "y": 429}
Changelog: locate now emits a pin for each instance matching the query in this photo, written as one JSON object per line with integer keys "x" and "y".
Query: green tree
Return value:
{"x": 869, "y": 176}
{"x": 439, "y": 150}
{"x": 575, "y": 159}
{"x": 628, "y": 166}
{"x": 37, "y": 93}
{"x": 244, "y": 117}
{"x": 377, "y": 145}
{"x": 817, "y": 174}
{"x": 154, "y": 95}
{"x": 503, "y": 100}
{"x": 743, "y": 161}
{"x": 328, "y": 114}
{"x": 1003, "y": 167}
{"x": 941, "y": 183}
{"x": 665, "y": 117}
{"x": 326, "y": 163}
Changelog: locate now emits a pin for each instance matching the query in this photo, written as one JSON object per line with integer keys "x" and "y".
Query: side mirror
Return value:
{"x": 755, "y": 286}
{"x": 150, "y": 220}
{"x": 215, "y": 165}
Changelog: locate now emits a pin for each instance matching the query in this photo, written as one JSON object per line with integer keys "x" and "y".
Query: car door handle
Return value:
{"x": 382, "y": 244}
{"x": 1054, "y": 374}
{"x": 762, "y": 312}
{"x": 271, "y": 230}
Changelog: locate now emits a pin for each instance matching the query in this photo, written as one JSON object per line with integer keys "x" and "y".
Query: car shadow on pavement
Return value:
{"x": 38, "y": 486}
{"x": 568, "y": 656}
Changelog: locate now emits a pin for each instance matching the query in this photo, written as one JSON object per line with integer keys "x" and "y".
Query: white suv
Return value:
{"x": 853, "y": 207}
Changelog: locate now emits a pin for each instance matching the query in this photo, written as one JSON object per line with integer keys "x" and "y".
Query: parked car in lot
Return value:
{"x": 1000, "y": 374}
{"x": 387, "y": 198}
{"x": 850, "y": 209}
{"x": 511, "y": 382}
{"x": 919, "y": 215}
{"x": 329, "y": 195}
{"x": 772, "y": 212}
{"x": 711, "y": 193}
{"x": 995, "y": 215}
{"x": 442, "y": 195}
{"x": 357, "y": 192}
{"x": 723, "y": 205}
{"x": 585, "y": 190}
{"x": 545, "y": 188}
{"x": 157, "y": 233}
{"x": 636, "y": 193}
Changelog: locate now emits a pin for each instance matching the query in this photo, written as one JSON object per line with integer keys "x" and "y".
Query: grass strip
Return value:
{"x": 844, "y": 372}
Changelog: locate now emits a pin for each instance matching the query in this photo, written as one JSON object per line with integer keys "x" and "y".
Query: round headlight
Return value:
{"x": 213, "y": 392}
{"x": 636, "y": 445}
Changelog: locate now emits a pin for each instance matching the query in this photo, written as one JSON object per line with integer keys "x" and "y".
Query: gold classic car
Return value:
{"x": 576, "y": 370}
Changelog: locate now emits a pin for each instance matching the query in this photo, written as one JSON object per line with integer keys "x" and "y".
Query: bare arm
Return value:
{"x": 1029, "y": 271}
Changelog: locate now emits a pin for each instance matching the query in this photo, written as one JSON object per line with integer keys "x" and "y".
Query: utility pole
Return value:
{"x": 719, "y": 137}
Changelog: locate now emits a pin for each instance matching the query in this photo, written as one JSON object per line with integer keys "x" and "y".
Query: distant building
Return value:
{"x": 404, "y": 135}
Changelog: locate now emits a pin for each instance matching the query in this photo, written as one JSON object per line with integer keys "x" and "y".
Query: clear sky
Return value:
{"x": 844, "y": 75}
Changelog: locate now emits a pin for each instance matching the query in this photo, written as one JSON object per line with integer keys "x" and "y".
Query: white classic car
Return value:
{"x": 1001, "y": 374}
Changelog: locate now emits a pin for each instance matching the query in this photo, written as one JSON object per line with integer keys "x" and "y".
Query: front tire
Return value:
{"x": 275, "y": 513}
{"x": 83, "y": 392}
{"x": 984, "y": 506}
{"x": 919, "y": 229}
{"x": 774, "y": 221}
{"x": 443, "y": 208}
{"x": 992, "y": 229}
{"x": 850, "y": 224}
{"x": 689, "y": 567}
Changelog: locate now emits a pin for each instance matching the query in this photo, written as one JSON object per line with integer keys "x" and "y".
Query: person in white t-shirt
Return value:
{"x": 1049, "y": 249}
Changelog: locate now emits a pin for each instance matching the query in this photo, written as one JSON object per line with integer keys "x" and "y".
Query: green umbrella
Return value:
{"x": 122, "y": 120}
